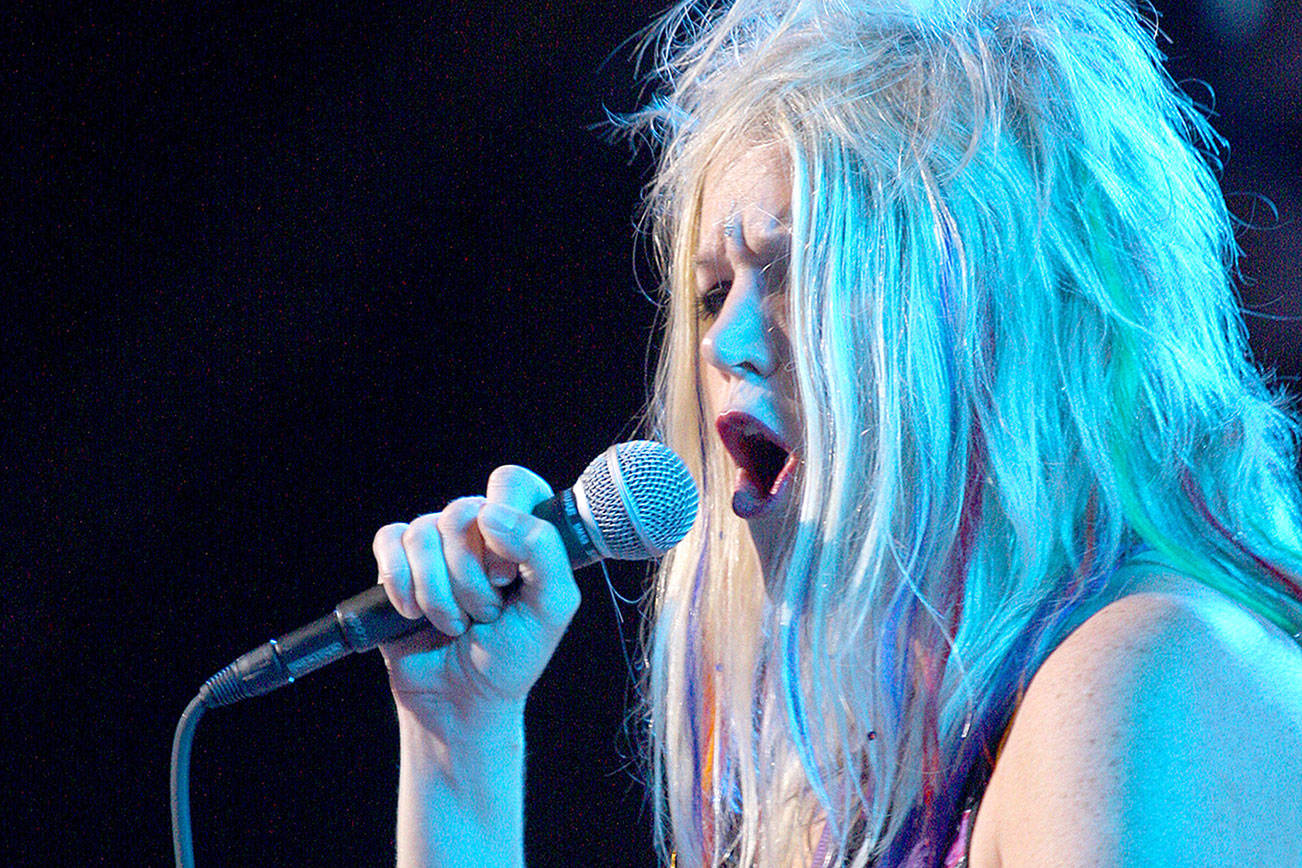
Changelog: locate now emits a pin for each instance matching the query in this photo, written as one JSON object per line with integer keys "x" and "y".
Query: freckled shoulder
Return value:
{"x": 1165, "y": 730}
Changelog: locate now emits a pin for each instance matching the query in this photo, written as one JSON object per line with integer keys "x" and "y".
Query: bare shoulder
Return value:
{"x": 1166, "y": 729}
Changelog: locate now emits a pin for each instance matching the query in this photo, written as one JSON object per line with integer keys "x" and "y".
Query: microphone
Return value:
{"x": 635, "y": 501}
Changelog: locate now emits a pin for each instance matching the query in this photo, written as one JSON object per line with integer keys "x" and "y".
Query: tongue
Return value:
{"x": 747, "y": 498}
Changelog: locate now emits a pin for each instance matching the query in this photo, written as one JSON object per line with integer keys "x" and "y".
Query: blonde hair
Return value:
{"x": 1019, "y": 358}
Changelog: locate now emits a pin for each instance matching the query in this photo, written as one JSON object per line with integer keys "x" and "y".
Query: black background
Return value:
{"x": 276, "y": 278}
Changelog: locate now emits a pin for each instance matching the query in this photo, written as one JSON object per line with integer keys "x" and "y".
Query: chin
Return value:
{"x": 771, "y": 533}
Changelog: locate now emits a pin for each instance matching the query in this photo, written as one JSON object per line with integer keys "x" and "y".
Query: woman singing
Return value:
{"x": 1000, "y": 550}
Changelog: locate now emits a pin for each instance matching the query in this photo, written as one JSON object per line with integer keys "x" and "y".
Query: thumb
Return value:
{"x": 510, "y": 532}
{"x": 517, "y": 486}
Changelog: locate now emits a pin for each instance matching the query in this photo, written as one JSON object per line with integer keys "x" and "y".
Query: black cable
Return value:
{"x": 182, "y": 843}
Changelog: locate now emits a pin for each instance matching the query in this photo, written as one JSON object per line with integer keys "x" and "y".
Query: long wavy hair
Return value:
{"x": 1019, "y": 358}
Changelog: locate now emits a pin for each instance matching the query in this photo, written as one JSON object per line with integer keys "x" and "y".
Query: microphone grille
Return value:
{"x": 641, "y": 497}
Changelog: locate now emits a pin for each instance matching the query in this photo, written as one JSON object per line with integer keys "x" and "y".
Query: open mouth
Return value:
{"x": 763, "y": 460}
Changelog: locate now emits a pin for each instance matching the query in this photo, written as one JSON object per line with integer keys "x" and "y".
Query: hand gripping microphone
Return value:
{"x": 634, "y": 501}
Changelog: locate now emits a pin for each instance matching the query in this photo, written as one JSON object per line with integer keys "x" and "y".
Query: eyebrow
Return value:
{"x": 771, "y": 246}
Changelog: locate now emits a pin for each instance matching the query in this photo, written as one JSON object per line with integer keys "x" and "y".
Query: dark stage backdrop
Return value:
{"x": 276, "y": 278}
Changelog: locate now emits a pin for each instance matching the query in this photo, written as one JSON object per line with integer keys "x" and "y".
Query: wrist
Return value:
{"x": 457, "y": 717}
{"x": 448, "y": 741}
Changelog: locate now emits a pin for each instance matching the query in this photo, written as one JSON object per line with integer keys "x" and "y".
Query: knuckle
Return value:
{"x": 460, "y": 512}
{"x": 387, "y": 535}
{"x": 420, "y": 535}
{"x": 421, "y": 523}
{"x": 390, "y": 530}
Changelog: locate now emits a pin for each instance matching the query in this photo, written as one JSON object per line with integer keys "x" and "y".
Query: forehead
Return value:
{"x": 746, "y": 195}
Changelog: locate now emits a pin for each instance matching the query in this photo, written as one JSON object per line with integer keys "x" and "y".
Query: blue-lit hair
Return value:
{"x": 1020, "y": 359}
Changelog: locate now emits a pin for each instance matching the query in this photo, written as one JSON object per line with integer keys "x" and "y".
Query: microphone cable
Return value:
{"x": 182, "y": 843}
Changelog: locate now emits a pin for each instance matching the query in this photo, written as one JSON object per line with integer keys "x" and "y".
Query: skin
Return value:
{"x": 1165, "y": 730}
{"x": 460, "y": 693}
{"x": 740, "y": 271}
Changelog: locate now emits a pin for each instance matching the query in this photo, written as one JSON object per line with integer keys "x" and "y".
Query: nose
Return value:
{"x": 739, "y": 341}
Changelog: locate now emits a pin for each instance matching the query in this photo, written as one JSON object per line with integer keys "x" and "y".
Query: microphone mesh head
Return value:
{"x": 659, "y": 490}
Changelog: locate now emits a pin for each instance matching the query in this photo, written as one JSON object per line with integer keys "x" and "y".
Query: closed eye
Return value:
{"x": 710, "y": 302}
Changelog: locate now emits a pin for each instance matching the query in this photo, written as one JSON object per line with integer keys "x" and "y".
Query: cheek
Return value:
{"x": 715, "y": 387}
{"x": 784, "y": 372}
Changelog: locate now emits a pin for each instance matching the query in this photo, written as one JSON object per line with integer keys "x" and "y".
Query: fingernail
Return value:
{"x": 457, "y": 627}
{"x": 497, "y": 517}
{"x": 490, "y": 614}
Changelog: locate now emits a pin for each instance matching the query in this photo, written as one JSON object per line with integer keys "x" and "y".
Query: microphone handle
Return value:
{"x": 363, "y": 622}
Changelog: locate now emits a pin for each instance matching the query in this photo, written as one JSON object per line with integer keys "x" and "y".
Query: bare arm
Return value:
{"x": 460, "y": 692}
{"x": 461, "y": 792}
